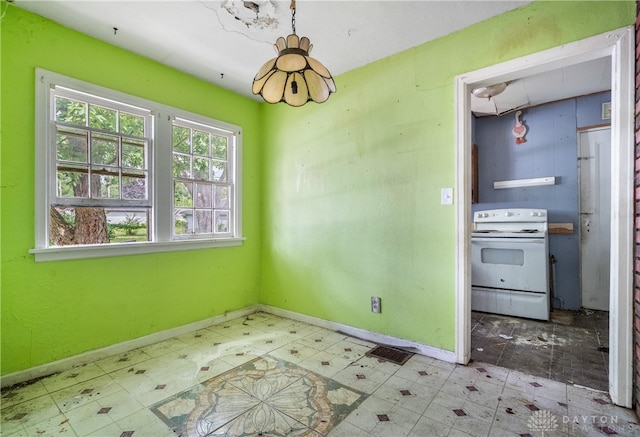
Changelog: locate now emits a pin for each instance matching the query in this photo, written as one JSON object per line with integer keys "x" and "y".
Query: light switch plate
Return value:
{"x": 446, "y": 196}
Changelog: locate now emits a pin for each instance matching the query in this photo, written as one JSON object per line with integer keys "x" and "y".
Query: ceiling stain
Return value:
{"x": 258, "y": 14}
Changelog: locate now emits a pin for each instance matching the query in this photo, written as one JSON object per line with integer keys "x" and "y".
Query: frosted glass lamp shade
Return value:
{"x": 293, "y": 77}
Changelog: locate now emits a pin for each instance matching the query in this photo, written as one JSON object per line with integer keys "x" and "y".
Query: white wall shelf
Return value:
{"x": 517, "y": 183}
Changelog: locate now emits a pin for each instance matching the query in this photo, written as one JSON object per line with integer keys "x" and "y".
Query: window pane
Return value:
{"x": 201, "y": 143}
{"x": 219, "y": 146}
{"x": 201, "y": 168}
{"x": 219, "y": 171}
{"x": 182, "y": 194}
{"x": 221, "y": 221}
{"x": 93, "y": 225}
{"x": 104, "y": 149}
{"x": 183, "y": 221}
{"x": 102, "y": 118}
{"x": 133, "y": 154}
{"x": 127, "y": 226}
{"x": 61, "y": 229}
{"x": 181, "y": 165}
{"x": 71, "y": 111}
{"x": 131, "y": 124}
{"x": 71, "y": 145}
{"x": 203, "y": 196}
{"x": 72, "y": 182}
{"x": 105, "y": 183}
{"x": 221, "y": 194}
{"x": 134, "y": 185}
{"x": 181, "y": 139}
{"x": 204, "y": 221}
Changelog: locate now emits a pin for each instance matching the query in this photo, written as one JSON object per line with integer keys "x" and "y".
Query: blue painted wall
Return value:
{"x": 550, "y": 150}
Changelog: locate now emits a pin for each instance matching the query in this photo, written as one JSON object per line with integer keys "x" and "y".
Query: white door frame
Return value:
{"x": 620, "y": 46}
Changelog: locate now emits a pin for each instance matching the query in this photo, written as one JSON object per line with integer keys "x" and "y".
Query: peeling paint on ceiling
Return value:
{"x": 226, "y": 41}
{"x": 258, "y": 14}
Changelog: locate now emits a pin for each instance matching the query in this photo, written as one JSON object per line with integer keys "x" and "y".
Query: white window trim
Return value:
{"x": 161, "y": 165}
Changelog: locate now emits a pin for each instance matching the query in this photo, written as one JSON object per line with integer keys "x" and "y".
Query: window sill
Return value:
{"x": 122, "y": 249}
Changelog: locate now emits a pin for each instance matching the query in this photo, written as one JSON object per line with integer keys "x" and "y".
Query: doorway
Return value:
{"x": 620, "y": 46}
{"x": 594, "y": 170}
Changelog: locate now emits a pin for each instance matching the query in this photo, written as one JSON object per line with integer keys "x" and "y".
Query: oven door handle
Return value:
{"x": 506, "y": 240}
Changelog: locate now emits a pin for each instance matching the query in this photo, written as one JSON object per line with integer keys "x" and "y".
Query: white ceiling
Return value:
{"x": 577, "y": 80}
{"x": 226, "y": 41}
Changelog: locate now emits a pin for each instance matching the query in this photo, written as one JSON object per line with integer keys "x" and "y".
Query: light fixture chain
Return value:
{"x": 293, "y": 16}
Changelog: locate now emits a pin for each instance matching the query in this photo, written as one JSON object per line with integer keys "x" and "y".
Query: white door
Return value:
{"x": 594, "y": 164}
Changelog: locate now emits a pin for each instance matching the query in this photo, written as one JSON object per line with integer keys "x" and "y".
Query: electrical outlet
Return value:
{"x": 375, "y": 304}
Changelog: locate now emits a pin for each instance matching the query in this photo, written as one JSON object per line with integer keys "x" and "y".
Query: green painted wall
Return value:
{"x": 352, "y": 187}
{"x": 58, "y": 309}
{"x": 342, "y": 204}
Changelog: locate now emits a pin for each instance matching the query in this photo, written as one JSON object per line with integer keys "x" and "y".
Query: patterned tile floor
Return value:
{"x": 268, "y": 376}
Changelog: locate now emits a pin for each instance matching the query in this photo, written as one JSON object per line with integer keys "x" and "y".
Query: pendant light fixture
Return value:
{"x": 293, "y": 77}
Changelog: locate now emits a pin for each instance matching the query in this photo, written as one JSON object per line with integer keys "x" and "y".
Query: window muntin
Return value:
{"x": 101, "y": 150}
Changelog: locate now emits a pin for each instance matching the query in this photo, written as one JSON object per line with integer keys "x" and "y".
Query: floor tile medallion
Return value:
{"x": 265, "y": 396}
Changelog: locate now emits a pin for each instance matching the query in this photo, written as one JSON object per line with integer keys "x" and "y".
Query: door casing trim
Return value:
{"x": 620, "y": 46}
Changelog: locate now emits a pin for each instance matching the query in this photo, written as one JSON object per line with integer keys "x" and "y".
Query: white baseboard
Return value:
{"x": 422, "y": 349}
{"x": 119, "y": 348}
{"x": 126, "y": 346}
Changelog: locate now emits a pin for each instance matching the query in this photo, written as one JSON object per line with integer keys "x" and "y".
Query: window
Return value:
{"x": 101, "y": 170}
{"x": 116, "y": 174}
{"x": 201, "y": 179}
